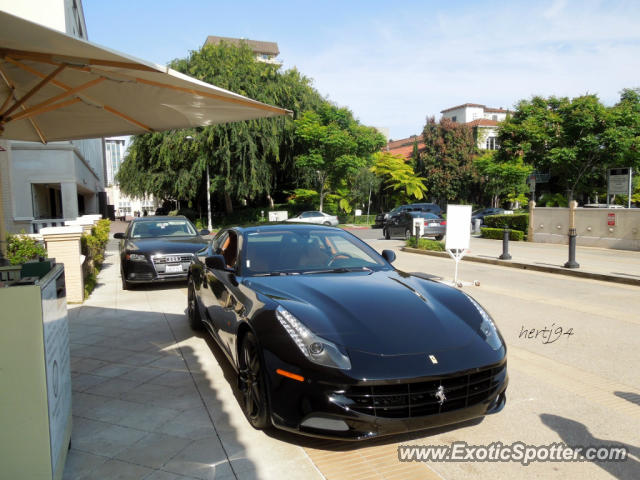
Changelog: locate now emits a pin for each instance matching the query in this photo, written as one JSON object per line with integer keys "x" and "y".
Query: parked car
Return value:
{"x": 485, "y": 212}
{"x": 401, "y": 225}
{"x": 157, "y": 249}
{"x": 328, "y": 339}
{"x": 316, "y": 217}
{"x": 423, "y": 207}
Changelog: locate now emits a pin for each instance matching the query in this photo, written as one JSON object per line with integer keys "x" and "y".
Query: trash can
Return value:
{"x": 35, "y": 376}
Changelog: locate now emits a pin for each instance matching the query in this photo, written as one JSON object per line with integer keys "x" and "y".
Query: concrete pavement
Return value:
{"x": 619, "y": 266}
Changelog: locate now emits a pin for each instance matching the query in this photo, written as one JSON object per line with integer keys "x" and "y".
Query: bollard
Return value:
{"x": 505, "y": 245}
{"x": 572, "y": 250}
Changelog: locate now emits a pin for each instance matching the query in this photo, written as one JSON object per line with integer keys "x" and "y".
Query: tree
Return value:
{"x": 447, "y": 159}
{"x": 335, "y": 146}
{"x": 246, "y": 160}
{"x": 501, "y": 177}
{"x": 575, "y": 140}
{"x": 398, "y": 175}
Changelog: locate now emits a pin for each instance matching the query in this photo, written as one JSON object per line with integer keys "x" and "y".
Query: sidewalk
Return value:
{"x": 621, "y": 266}
{"x": 152, "y": 400}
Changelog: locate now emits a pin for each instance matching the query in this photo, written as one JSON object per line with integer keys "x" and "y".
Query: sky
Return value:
{"x": 393, "y": 64}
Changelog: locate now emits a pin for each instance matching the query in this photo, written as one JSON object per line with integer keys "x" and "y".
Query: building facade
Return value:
{"x": 44, "y": 185}
{"x": 124, "y": 206}
{"x": 484, "y": 121}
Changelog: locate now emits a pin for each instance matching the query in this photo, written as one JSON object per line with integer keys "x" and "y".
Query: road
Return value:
{"x": 581, "y": 389}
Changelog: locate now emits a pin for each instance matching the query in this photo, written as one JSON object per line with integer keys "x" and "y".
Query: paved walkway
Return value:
{"x": 621, "y": 266}
{"x": 153, "y": 401}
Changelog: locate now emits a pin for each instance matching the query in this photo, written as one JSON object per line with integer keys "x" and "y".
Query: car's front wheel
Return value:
{"x": 328, "y": 224}
{"x": 252, "y": 383}
{"x": 385, "y": 232}
{"x": 193, "y": 312}
{"x": 125, "y": 285}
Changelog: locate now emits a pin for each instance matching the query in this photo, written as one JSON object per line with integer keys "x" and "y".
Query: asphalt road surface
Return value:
{"x": 581, "y": 389}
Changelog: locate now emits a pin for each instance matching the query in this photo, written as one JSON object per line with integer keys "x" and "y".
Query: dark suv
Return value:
{"x": 401, "y": 225}
{"x": 421, "y": 207}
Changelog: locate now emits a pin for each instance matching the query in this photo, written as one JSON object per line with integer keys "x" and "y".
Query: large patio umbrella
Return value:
{"x": 57, "y": 87}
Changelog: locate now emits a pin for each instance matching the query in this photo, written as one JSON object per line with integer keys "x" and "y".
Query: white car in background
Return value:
{"x": 319, "y": 218}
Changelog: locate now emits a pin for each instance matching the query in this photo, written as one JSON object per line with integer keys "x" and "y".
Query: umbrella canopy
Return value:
{"x": 57, "y": 87}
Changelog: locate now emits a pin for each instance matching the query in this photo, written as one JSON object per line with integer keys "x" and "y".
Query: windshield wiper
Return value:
{"x": 340, "y": 270}
{"x": 274, "y": 274}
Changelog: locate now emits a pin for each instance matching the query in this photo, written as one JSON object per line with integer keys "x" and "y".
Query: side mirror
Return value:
{"x": 215, "y": 262}
{"x": 389, "y": 255}
{"x": 204, "y": 232}
{"x": 119, "y": 236}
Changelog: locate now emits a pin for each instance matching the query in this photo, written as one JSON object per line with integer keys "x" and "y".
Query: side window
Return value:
{"x": 219, "y": 241}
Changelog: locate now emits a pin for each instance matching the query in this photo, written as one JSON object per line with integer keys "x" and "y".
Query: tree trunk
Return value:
{"x": 271, "y": 204}
{"x": 321, "y": 196}
{"x": 228, "y": 206}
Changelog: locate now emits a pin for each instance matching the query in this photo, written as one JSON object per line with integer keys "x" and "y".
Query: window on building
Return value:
{"x": 454, "y": 118}
{"x": 492, "y": 143}
{"x": 494, "y": 117}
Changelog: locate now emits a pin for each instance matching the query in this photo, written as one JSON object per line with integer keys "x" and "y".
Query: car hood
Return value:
{"x": 384, "y": 312}
{"x": 166, "y": 245}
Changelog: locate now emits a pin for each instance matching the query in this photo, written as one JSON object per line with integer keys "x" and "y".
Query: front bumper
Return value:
{"x": 329, "y": 408}
{"x": 152, "y": 272}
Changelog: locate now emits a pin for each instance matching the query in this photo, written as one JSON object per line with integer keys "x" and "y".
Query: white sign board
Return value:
{"x": 458, "y": 227}
{"x": 419, "y": 224}
{"x": 619, "y": 181}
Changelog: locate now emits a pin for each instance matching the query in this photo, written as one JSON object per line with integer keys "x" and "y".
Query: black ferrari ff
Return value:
{"x": 158, "y": 249}
{"x": 329, "y": 340}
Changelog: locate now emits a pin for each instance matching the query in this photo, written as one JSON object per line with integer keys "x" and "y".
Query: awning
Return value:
{"x": 57, "y": 87}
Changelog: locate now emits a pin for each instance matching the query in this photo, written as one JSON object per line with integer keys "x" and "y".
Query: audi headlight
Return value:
{"x": 487, "y": 327}
{"x": 136, "y": 257}
{"x": 315, "y": 348}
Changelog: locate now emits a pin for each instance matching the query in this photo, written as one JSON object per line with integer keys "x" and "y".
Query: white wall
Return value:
{"x": 45, "y": 12}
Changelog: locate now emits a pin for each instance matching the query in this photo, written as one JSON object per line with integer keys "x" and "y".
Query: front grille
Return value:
{"x": 177, "y": 258}
{"x": 418, "y": 399}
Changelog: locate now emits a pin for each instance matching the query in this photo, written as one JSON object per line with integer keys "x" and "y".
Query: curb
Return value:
{"x": 538, "y": 268}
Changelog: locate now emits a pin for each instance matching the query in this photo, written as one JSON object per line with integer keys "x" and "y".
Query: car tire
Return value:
{"x": 439, "y": 237}
{"x": 385, "y": 232}
{"x": 193, "y": 312}
{"x": 125, "y": 285}
{"x": 407, "y": 234}
{"x": 328, "y": 224}
{"x": 253, "y": 383}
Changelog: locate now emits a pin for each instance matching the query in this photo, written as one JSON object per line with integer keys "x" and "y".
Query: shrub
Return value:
{"x": 552, "y": 200}
{"x": 426, "y": 244}
{"x": 517, "y": 221}
{"x": 22, "y": 248}
{"x": 497, "y": 234}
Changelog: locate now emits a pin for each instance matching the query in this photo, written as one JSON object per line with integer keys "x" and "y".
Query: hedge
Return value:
{"x": 498, "y": 233}
{"x": 22, "y": 248}
{"x": 516, "y": 221}
{"x": 426, "y": 244}
{"x": 93, "y": 247}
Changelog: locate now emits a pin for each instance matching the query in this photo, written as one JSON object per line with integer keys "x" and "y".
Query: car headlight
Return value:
{"x": 487, "y": 327}
{"x": 315, "y": 348}
{"x": 136, "y": 257}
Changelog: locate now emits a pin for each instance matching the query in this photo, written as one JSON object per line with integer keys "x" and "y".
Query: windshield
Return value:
{"x": 307, "y": 251}
{"x": 162, "y": 228}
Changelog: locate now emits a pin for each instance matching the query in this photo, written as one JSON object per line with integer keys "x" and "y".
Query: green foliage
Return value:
{"x": 303, "y": 199}
{"x": 447, "y": 159}
{"x": 426, "y": 244}
{"x": 517, "y": 221}
{"x": 398, "y": 175}
{"x": 552, "y": 200}
{"x": 498, "y": 234}
{"x": 336, "y": 147}
{"x": 575, "y": 140}
{"x": 93, "y": 247}
{"x": 500, "y": 176}
{"x": 22, "y": 248}
{"x": 246, "y": 159}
